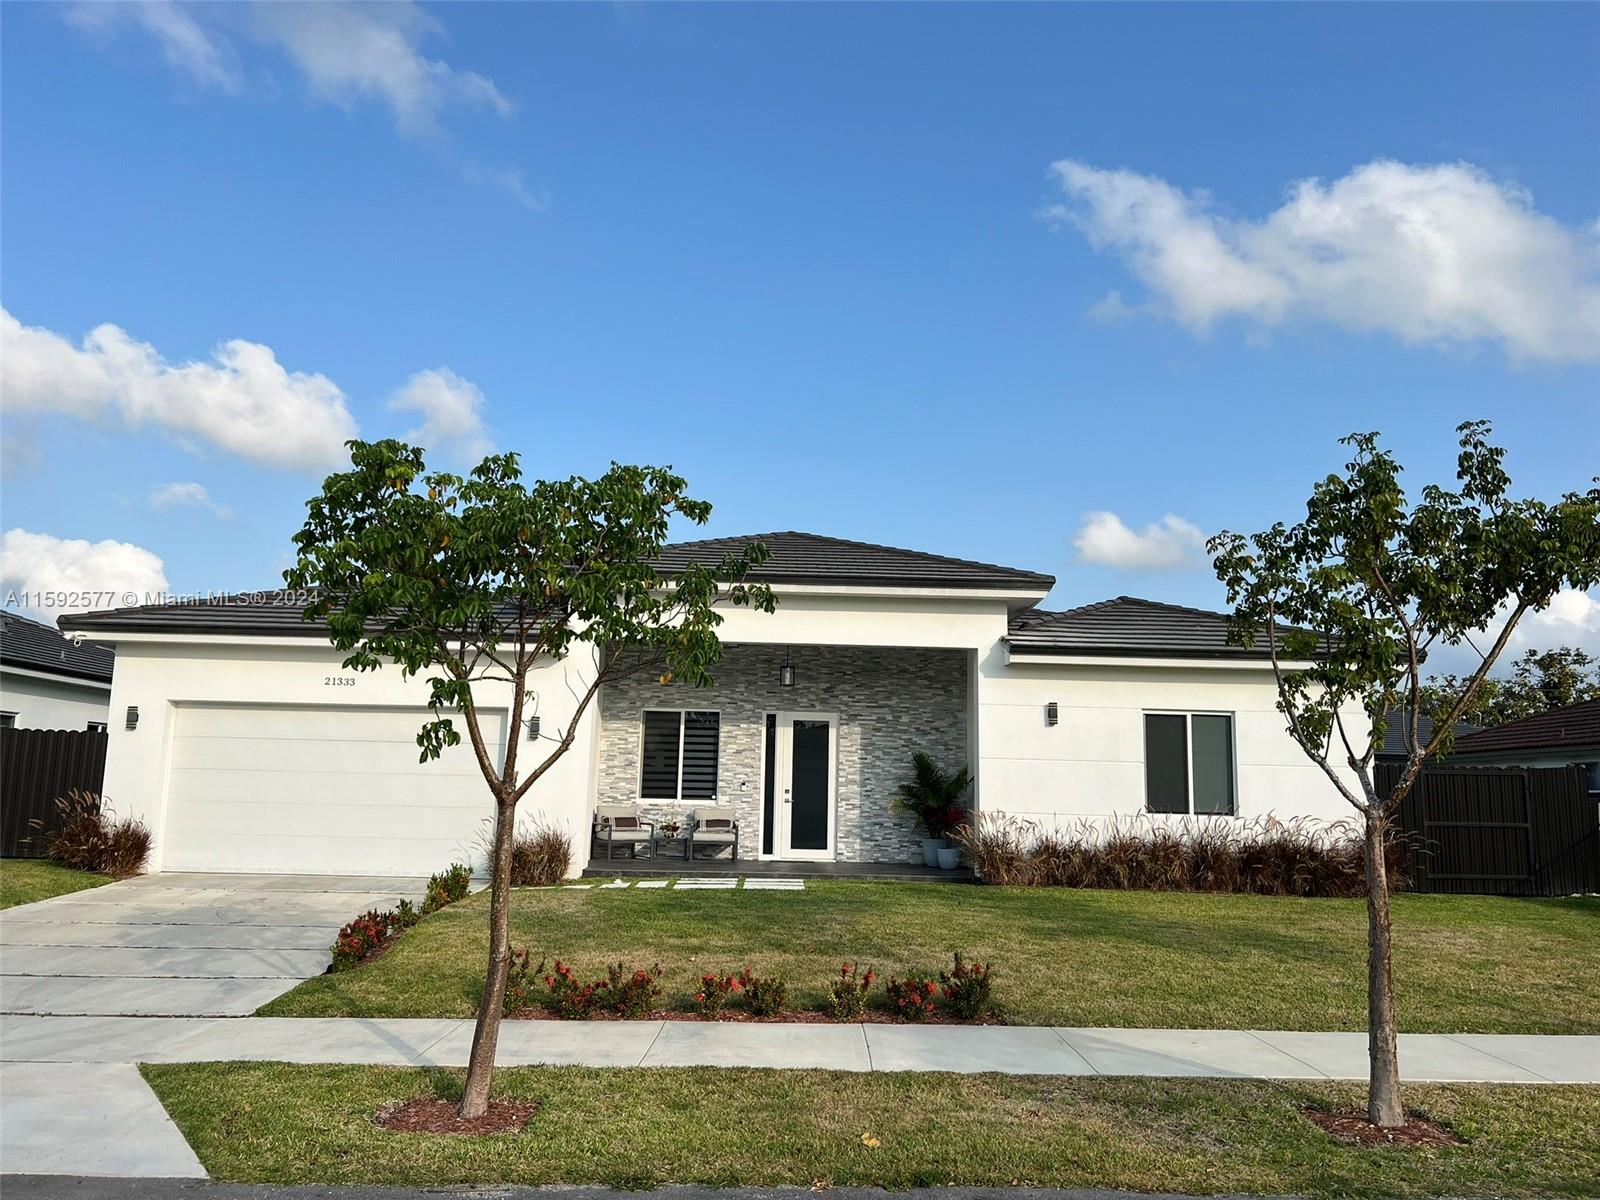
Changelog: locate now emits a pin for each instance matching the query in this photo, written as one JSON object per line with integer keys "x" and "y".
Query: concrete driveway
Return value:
{"x": 180, "y": 944}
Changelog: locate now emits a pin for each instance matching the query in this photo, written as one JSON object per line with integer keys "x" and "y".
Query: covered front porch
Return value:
{"x": 723, "y": 868}
{"x": 803, "y": 745}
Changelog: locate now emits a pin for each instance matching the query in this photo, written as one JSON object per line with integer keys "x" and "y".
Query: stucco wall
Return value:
{"x": 890, "y": 703}
{"x": 1091, "y": 764}
{"x": 162, "y": 678}
{"x": 52, "y": 703}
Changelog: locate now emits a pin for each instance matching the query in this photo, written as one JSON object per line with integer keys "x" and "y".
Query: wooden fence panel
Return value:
{"x": 1500, "y": 831}
{"x": 37, "y": 766}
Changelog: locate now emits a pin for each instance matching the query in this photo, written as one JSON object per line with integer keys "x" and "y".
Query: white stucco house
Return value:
{"x": 240, "y": 740}
{"x": 48, "y": 681}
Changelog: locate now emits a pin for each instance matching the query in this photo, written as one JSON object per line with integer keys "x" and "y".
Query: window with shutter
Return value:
{"x": 678, "y": 755}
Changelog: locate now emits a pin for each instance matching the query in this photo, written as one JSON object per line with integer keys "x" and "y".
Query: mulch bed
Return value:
{"x": 801, "y": 1017}
{"x": 430, "y": 1114}
{"x": 1353, "y": 1128}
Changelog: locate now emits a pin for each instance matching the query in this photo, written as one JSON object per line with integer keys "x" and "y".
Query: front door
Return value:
{"x": 804, "y": 779}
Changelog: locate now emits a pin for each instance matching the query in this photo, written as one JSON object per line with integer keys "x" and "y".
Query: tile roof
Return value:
{"x": 1576, "y": 725}
{"x": 37, "y": 647}
{"x": 812, "y": 558}
{"x": 1394, "y": 740}
{"x": 1127, "y": 627}
{"x": 796, "y": 558}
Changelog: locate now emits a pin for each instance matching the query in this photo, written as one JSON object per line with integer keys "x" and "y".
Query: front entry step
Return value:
{"x": 632, "y": 868}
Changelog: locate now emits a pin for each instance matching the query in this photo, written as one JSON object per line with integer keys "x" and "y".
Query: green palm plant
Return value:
{"x": 933, "y": 795}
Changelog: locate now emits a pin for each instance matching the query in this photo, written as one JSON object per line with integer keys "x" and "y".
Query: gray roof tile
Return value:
{"x": 37, "y": 647}
{"x": 1127, "y": 627}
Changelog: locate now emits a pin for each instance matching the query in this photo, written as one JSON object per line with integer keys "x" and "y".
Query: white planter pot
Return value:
{"x": 930, "y": 851}
{"x": 950, "y": 858}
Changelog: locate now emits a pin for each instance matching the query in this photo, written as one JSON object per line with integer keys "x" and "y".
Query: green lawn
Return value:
{"x": 24, "y": 880}
{"x": 282, "y": 1123}
{"x": 1464, "y": 963}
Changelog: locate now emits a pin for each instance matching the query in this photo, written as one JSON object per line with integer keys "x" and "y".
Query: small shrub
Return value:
{"x": 361, "y": 938}
{"x": 447, "y": 887}
{"x": 765, "y": 997}
{"x": 540, "y": 857}
{"x": 566, "y": 997}
{"x": 520, "y": 977}
{"x": 968, "y": 989}
{"x": 405, "y": 916}
{"x": 713, "y": 993}
{"x": 633, "y": 994}
{"x": 912, "y": 999}
{"x": 89, "y": 837}
{"x": 847, "y": 994}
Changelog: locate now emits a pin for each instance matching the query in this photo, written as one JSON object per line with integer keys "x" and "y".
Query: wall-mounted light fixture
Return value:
{"x": 533, "y": 728}
{"x": 1052, "y": 714}
{"x": 786, "y": 672}
{"x": 133, "y": 716}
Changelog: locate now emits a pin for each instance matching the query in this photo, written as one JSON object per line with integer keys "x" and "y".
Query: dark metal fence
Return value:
{"x": 1501, "y": 831}
{"x": 37, "y": 766}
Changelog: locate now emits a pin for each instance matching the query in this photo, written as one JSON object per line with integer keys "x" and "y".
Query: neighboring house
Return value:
{"x": 47, "y": 681}
{"x": 251, "y": 749}
{"x": 1394, "y": 750}
{"x": 1557, "y": 738}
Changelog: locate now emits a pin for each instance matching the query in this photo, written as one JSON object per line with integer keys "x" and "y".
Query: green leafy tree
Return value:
{"x": 1540, "y": 680}
{"x": 474, "y": 581}
{"x": 1350, "y": 600}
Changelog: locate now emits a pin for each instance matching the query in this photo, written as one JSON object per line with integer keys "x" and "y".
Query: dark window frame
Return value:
{"x": 1189, "y": 716}
{"x": 683, "y": 723}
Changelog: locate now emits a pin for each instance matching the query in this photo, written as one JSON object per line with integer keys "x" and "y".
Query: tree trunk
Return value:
{"x": 1383, "y": 1085}
{"x": 486, "y": 1036}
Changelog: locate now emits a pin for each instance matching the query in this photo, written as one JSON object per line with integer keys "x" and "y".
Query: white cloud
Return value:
{"x": 206, "y": 58}
{"x": 36, "y": 569}
{"x": 354, "y": 51}
{"x": 1170, "y": 544}
{"x": 451, "y": 409}
{"x": 344, "y": 51}
{"x": 186, "y": 495}
{"x": 1441, "y": 254}
{"x": 242, "y": 401}
{"x": 1572, "y": 618}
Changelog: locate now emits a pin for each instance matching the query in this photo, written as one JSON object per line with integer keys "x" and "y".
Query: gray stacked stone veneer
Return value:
{"x": 890, "y": 703}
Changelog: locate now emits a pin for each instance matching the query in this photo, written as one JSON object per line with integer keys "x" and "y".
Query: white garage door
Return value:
{"x": 320, "y": 791}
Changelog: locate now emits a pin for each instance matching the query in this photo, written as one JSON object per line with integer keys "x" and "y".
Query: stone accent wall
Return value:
{"x": 890, "y": 703}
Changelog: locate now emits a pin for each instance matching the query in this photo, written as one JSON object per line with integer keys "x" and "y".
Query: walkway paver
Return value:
{"x": 1007, "y": 1049}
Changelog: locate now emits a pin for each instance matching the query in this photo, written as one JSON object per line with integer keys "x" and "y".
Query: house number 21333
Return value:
{"x": 339, "y": 680}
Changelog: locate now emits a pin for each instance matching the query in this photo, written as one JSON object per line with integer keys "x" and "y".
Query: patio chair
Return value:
{"x": 713, "y": 826}
{"x": 621, "y": 825}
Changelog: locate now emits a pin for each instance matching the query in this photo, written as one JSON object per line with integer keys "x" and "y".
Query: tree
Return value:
{"x": 1350, "y": 601}
{"x": 1540, "y": 680}
{"x": 472, "y": 581}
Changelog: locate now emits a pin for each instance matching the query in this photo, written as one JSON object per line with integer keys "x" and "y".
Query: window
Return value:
{"x": 97, "y": 726}
{"x": 678, "y": 755}
{"x": 1188, "y": 763}
{"x": 8, "y": 720}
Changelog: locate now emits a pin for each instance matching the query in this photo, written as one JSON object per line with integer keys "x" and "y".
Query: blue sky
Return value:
{"x": 817, "y": 257}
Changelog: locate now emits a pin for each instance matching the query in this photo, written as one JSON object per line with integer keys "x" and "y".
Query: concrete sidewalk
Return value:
{"x": 1013, "y": 1050}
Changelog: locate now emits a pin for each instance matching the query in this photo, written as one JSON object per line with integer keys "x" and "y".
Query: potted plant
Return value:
{"x": 933, "y": 795}
{"x": 670, "y": 828}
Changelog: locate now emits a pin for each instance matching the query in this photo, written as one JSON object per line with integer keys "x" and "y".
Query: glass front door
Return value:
{"x": 805, "y": 782}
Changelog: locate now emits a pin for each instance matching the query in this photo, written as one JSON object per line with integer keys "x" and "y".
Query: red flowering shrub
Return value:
{"x": 967, "y": 989}
{"x": 446, "y": 887}
{"x": 847, "y": 994}
{"x": 912, "y": 999}
{"x": 633, "y": 994}
{"x": 713, "y": 992}
{"x": 361, "y": 938}
{"x": 566, "y": 997}
{"x": 764, "y": 997}
{"x": 519, "y": 981}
